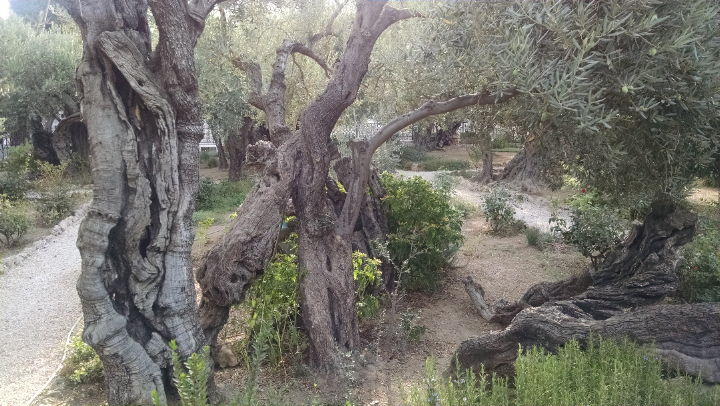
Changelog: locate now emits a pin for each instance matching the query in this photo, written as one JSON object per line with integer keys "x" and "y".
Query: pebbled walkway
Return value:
{"x": 38, "y": 307}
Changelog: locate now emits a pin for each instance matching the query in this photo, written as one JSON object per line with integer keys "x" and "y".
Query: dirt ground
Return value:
{"x": 505, "y": 266}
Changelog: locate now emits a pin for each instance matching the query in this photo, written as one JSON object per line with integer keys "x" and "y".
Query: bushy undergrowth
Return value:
{"x": 217, "y": 198}
{"x": 498, "y": 210}
{"x": 536, "y": 238}
{"x": 606, "y": 372}
{"x": 15, "y": 220}
{"x": 366, "y": 274}
{"x": 596, "y": 227}
{"x": 54, "y": 202}
{"x": 190, "y": 377}
{"x": 424, "y": 230}
{"x": 437, "y": 164}
{"x": 83, "y": 365}
{"x": 699, "y": 270}
{"x": 274, "y": 303}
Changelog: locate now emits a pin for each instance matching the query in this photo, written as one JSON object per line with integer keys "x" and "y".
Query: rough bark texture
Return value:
{"x": 70, "y": 137}
{"x": 524, "y": 169}
{"x": 297, "y": 166}
{"x": 616, "y": 300}
{"x": 142, "y": 112}
{"x": 486, "y": 172}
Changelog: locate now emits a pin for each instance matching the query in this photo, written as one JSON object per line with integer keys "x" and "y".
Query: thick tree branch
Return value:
{"x": 198, "y": 10}
{"x": 390, "y": 16}
{"x": 432, "y": 108}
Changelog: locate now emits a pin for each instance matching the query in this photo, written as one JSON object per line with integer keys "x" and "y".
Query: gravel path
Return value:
{"x": 38, "y": 307}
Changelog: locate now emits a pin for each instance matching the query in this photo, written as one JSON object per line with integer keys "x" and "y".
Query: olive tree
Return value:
{"x": 142, "y": 109}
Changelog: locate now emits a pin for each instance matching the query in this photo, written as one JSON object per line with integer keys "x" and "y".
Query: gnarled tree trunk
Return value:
{"x": 619, "y": 299}
{"x": 142, "y": 111}
{"x": 523, "y": 170}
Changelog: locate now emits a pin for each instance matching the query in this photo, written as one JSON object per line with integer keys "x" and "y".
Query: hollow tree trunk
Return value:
{"x": 70, "y": 137}
{"x": 222, "y": 160}
{"x": 143, "y": 119}
{"x": 618, "y": 299}
{"x": 43, "y": 145}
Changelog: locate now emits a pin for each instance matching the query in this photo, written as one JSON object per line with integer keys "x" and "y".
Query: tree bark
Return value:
{"x": 71, "y": 136}
{"x": 222, "y": 160}
{"x": 142, "y": 111}
{"x": 618, "y": 299}
{"x": 524, "y": 168}
{"x": 486, "y": 172}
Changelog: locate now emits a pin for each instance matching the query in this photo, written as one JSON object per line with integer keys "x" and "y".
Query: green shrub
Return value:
{"x": 79, "y": 168}
{"x": 607, "y": 372}
{"x": 191, "y": 378}
{"x": 467, "y": 389}
{"x": 596, "y": 227}
{"x": 412, "y": 154}
{"x": 498, "y": 209}
{"x": 83, "y": 365}
{"x": 366, "y": 275}
{"x": 15, "y": 220}
{"x": 536, "y": 238}
{"x": 411, "y": 331}
{"x": 424, "y": 230}
{"x": 54, "y": 203}
{"x": 273, "y": 302}
{"x": 699, "y": 270}
{"x": 21, "y": 159}
{"x": 14, "y": 185}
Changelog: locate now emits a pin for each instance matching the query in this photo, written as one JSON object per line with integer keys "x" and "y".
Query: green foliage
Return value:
{"x": 190, "y": 378}
{"x": 79, "y": 168}
{"x": 699, "y": 270}
{"x": 411, "y": 332}
{"x": 16, "y": 220}
{"x": 467, "y": 389}
{"x": 536, "y": 238}
{"x": 14, "y": 185}
{"x": 83, "y": 365}
{"x": 273, "y": 302}
{"x": 366, "y": 275}
{"x": 20, "y": 159}
{"x": 424, "y": 230}
{"x": 215, "y": 199}
{"x": 607, "y": 372}
{"x": 209, "y": 160}
{"x": 437, "y": 164}
{"x": 54, "y": 203}
{"x": 412, "y": 153}
{"x": 498, "y": 209}
{"x": 38, "y": 72}
{"x": 202, "y": 229}
{"x": 260, "y": 349}
{"x": 596, "y": 228}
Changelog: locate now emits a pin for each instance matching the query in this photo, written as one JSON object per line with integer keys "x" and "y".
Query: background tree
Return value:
{"x": 142, "y": 108}
{"x": 37, "y": 86}
{"x": 623, "y": 94}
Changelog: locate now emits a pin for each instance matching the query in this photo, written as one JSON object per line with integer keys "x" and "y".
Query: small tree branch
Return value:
{"x": 198, "y": 10}
{"x": 328, "y": 28}
{"x": 254, "y": 74}
{"x": 432, "y": 108}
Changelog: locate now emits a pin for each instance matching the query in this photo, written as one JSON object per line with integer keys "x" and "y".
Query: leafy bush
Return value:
{"x": 54, "y": 203}
{"x": 202, "y": 229}
{"x": 498, "y": 209}
{"x": 20, "y": 159}
{"x": 190, "y": 378}
{"x": 411, "y": 331}
{"x": 366, "y": 275}
{"x": 79, "y": 168}
{"x": 596, "y": 227}
{"x": 274, "y": 303}
{"x": 536, "y": 238}
{"x": 16, "y": 220}
{"x": 699, "y": 270}
{"x": 14, "y": 185}
{"x": 412, "y": 153}
{"x": 83, "y": 365}
{"x": 424, "y": 229}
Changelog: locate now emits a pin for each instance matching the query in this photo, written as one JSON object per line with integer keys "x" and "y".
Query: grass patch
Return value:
{"x": 507, "y": 149}
{"x": 607, "y": 372}
{"x": 536, "y": 238}
{"x": 216, "y": 200}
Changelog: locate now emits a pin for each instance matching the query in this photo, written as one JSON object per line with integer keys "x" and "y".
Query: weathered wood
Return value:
{"x": 614, "y": 301}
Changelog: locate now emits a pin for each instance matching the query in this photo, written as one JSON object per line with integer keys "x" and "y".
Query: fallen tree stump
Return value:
{"x": 617, "y": 300}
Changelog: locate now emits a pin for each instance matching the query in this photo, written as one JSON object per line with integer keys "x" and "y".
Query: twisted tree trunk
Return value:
{"x": 142, "y": 111}
{"x": 619, "y": 299}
